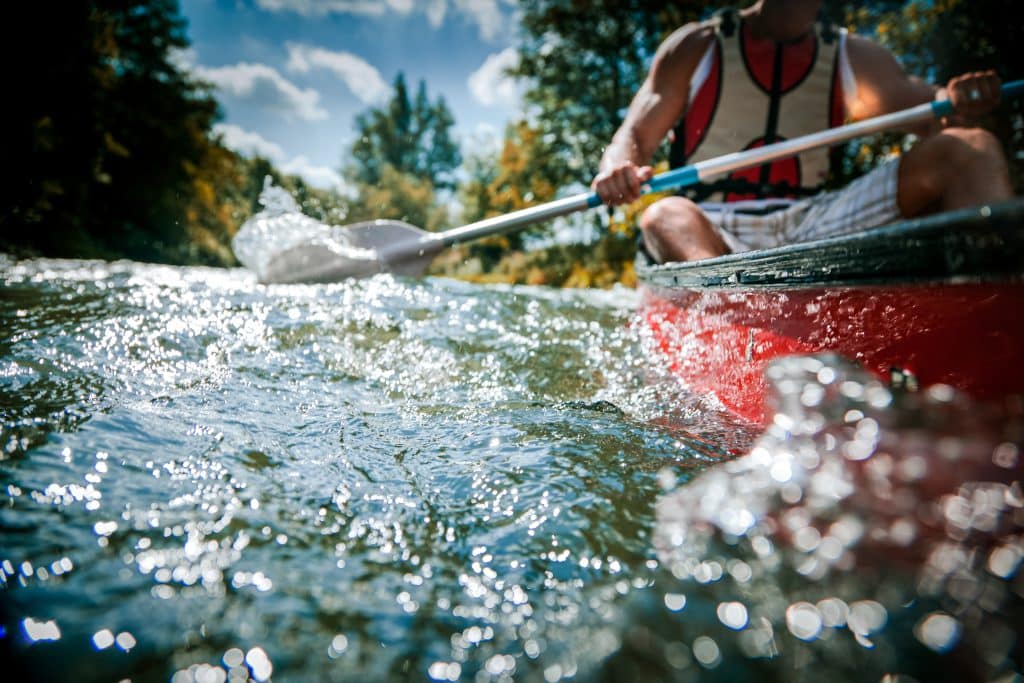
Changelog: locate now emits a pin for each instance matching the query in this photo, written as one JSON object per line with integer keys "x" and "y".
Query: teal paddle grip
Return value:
{"x": 670, "y": 180}
{"x": 1008, "y": 91}
{"x": 681, "y": 177}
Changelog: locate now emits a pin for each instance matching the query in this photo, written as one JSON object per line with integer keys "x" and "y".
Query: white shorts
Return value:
{"x": 865, "y": 203}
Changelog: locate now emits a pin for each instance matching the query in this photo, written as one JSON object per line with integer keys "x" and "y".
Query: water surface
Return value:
{"x": 208, "y": 479}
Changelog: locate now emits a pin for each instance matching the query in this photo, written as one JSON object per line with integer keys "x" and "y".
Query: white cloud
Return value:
{"x": 248, "y": 143}
{"x": 488, "y": 15}
{"x": 436, "y": 11}
{"x": 265, "y": 87}
{"x": 183, "y": 59}
{"x": 317, "y": 176}
{"x": 490, "y": 84}
{"x": 319, "y": 8}
{"x": 362, "y": 79}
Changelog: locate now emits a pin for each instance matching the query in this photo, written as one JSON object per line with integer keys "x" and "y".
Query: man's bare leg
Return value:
{"x": 675, "y": 229}
{"x": 953, "y": 169}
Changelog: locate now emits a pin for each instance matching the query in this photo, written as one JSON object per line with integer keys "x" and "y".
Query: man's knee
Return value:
{"x": 676, "y": 229}
{"x": 670, "y": 213}
{"x": 953, "y": 169}
{"x": 960, "y": 147}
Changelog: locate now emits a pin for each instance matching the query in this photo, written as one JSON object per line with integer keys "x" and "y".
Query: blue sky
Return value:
{"x": 292, "y": 75}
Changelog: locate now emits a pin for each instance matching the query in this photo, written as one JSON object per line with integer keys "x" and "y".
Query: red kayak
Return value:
{"x": 938, "y": 300}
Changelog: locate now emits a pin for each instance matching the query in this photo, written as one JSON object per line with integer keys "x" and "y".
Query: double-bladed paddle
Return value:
{"x": 397, "y": 247}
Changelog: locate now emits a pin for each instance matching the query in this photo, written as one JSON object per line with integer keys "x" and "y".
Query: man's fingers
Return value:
{"x": 618, "y": 186}
{"x": 975, "y": 94}
{"x": 610, "y": 192}
{"x": 993, "y": 84}
{"x": 632, "y": 177}
{"x": 622, "y": 185}
{"x": 982, "y": 87}
{"x": 633, "y": 187}
{"x": 636, "y": 179}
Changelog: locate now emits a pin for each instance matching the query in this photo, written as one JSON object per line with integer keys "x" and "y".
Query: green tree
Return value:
{"x": 411, "y": 136}
{"x": 582, "y": 63}
{"x": 109, "y": 140}
{"x": 399, "y": 196}
{"x": 517, "y": 177}
{"x": 475, "y": 192}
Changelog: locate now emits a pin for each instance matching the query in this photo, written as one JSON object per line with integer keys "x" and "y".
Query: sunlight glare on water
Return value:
{"x": 456, "y": 474}
{"x": 209, "y": 479}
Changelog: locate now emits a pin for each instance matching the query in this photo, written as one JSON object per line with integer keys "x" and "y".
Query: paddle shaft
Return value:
{"x": 699, "y": 172}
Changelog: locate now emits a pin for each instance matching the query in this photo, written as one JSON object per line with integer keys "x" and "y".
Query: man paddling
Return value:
{"x": 766, "y": 73}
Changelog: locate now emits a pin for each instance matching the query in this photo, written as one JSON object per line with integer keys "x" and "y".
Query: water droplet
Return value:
{"x": 938, "y": 631}
{"x": 125, "y": 641}
{"x": 40, "y": 630}
{"x": 706, "y": 651}
{"x": 733, "y": 615}
{"x": 259, "y": 664}
{"x": 675, "y": 601}
{"x": 101, "y": 640}
{"x": 803, "y": 620}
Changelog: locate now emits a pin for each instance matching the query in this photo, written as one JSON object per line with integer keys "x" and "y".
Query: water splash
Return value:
{"x": 281, "y": 239}
{"x": 276, "y": 201}
{"x": 881, "y": 532}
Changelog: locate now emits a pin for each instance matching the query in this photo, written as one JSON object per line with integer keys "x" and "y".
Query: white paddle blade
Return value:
{"x": 355, "y": 251}
{"x": 319, "y": 262}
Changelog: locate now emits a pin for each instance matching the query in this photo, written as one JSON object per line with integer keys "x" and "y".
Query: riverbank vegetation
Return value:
{"x": 114, "y": 151}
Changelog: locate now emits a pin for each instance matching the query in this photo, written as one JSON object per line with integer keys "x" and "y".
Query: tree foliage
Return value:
{"x": 111, "y": 150}
{"x": 110, "y": 140}
{"x": 517, "y": 177}
{"x": 410, "y": 136}
{"x": 582, "y": 63}
{"x": 399, "y": 196}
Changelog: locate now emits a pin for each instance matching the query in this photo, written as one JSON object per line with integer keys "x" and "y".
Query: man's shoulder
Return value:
{"x": 864, "y": 46}
{"x": 871, "y": 61}
{"x": 882, "y": 85}
{"x": 690, "y": 39}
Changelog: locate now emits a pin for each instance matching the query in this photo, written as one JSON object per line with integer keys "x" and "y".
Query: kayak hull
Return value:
{"x": 953, "y": 314}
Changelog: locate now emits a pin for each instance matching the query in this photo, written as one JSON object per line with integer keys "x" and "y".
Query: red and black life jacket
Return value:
{"x": 749, "y": 92}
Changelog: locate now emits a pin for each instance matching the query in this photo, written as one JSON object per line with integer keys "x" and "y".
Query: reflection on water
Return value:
{"x": 205, "y": 479}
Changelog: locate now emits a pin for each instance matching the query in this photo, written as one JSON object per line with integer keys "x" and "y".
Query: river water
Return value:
{"x": 203, "y": 478}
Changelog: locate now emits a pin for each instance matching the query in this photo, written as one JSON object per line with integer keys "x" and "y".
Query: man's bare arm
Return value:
{"x": 884, "y": 87}
{"x": 655, "y": 108}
